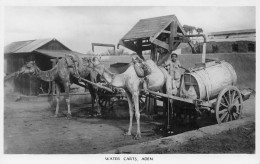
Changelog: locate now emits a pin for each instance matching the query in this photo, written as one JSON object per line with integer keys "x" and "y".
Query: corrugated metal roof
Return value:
{"x": 12, "y": 47}
{"x": 26, "y": 46}
{"x": 149, "y": 27}
{"x": 59, "y": 53}
{"x": 33, "y": 45}
{"x": 233, "y": 32}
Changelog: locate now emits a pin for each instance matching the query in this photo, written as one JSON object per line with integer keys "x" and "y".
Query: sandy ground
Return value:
{"x": 240, "y": 140}
{"x": 29, "y": 128}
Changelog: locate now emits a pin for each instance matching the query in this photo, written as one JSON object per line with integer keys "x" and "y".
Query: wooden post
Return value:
{"x": 204, "y": 52}
{"x": 172, "y": 47}
{"x": 173, "y": 31}
{"x": 139, "y": 48}
{"x": 153, "y": 54}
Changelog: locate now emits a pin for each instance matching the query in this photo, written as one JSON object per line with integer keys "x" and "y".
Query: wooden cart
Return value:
{"x": 214, "y": 86}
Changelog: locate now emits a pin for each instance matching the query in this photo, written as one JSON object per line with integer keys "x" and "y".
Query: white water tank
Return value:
{"x": 209, "y": 81}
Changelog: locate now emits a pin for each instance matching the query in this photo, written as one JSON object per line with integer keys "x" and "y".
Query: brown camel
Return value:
{"x": 132, "y": 85}
{"x": 60, "y": 74}
{"x": 85, "y": 70}
{"x": 67, "y": 71}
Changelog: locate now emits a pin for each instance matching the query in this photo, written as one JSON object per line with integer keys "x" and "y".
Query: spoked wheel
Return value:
{"x": 105, "y": 102}
{"x": 141, "y": 105}
{"x": 229, "y": 105}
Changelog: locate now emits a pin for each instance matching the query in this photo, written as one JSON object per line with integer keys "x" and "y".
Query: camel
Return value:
{"x": 60, "y": 74}
{"x": 85, "y": 70}
{"x": 132, "y": 84}
{"x": 64, "y": 73}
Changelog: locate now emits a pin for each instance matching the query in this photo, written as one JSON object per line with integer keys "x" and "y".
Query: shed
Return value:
{"x": 159, "y": 34}
{"x": 41, "y": 51}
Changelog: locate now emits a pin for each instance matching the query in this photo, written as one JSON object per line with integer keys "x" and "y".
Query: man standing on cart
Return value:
{"x": 173, "y": 66}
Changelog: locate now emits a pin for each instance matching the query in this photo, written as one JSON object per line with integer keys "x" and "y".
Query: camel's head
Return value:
{"x": 74, "y": 65}
{"x": 97, "y": 66}
{"x": 87, "y": 62}
{"x": 28, "y": 68}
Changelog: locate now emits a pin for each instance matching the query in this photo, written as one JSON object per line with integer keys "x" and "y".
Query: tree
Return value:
{"x": 188, "y": 29}
{"x": 192, "y": 28}
{"x": 199, "y": 30}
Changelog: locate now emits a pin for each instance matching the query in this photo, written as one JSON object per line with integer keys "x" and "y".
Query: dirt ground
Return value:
{"x": 29, "y": 128}
{"x": 240, "y": 140}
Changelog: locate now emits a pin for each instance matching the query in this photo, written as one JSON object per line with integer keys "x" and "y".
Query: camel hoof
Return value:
{"x": 127, "y": 134}
{"x": 98, "y": 115}
{"x": 69, "y": 117}
{"x": 137, "y": 137}
{"x": 55, "y": 116}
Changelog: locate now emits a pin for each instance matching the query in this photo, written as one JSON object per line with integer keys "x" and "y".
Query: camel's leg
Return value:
{"x": 145, "y": 87}
{"x": 98, "y": 106}
{"x": 93, "y": 78}
{"x": 93, "y": 96}
{"x": 92, "y": 101}
{"x": 67, "y": 90}
{"x": 137, "y": 114}
{"x": 57, "y": 100}
{"x": 131, "y": 112}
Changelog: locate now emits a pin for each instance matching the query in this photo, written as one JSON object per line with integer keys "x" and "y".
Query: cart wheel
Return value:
{"x": 102, "y": 101}
{"x": 229, "y": 104}
{"x": 141, "y": 105}
{"x": 105, "y": 103}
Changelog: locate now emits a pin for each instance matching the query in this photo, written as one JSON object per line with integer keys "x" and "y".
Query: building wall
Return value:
{"x": 23, "y": 84}
{"x": 224, "y": 47}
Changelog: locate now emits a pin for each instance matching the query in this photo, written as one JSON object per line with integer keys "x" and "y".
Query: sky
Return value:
{"x": 77, "y": 27}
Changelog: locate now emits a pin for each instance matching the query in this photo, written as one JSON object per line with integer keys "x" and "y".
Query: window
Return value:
{"x": 234, "y": 47}
{"x": 214, "y": 48}
{"x": 251, "y": 47}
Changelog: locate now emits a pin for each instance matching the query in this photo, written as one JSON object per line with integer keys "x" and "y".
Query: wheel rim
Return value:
{"x": 141, "y": 105}
{"x": 229, "y": 105}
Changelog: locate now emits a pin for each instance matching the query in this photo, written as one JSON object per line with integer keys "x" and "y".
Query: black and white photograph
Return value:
{"x": 129, "y": 83}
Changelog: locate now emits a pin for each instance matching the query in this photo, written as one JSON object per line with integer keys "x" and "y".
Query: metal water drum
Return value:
{"x": 209, "y": 81}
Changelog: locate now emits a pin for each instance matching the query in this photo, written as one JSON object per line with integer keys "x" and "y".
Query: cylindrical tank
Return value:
{"x": 209, "y": 81}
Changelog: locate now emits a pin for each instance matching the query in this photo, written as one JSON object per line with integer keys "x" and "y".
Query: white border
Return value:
{"x": 43, "y": 159}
